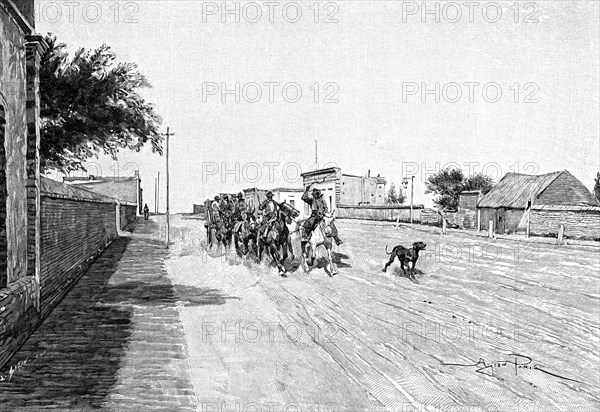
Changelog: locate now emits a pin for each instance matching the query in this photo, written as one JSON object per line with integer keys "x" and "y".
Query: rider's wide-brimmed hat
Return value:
{"x": 316, "y": 191}
{"x": 240, "y": 195}
{"x": 269, "y": 194}
{"x": 217, "y": 198}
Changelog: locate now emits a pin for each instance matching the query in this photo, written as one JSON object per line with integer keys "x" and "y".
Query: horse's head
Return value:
{"x": 329, "y": 218}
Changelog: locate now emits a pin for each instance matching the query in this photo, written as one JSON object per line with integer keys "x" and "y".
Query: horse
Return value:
{"x": 244, "y": 232}
{"x": 217, "y": 233}
{"x": 320, "y": 236}
{"x": 276, "y": 238}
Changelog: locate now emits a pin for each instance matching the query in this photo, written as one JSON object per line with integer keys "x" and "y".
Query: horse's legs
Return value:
{"x": 332, "y": 268}
{"x": 290, "y": 246}
{"x": 284, "y": 252}
{"x": 312, "y": 248}
{"x": 275, "y": 256}
{"x": 260, "y": 251}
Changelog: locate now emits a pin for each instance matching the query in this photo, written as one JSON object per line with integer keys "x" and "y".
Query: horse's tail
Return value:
{"x": 386, "y": 251}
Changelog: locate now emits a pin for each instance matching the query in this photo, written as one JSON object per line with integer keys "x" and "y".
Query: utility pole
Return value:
{"x": 168, "y": 134}
{"x": 412, "y": 189}
{"x": 158, "y": 193}
{"x": 155, "y": 196}
{"x": 316, "y": 155}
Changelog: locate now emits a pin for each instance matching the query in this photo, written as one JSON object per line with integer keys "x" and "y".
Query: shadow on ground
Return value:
{"x": 72, "y": 360}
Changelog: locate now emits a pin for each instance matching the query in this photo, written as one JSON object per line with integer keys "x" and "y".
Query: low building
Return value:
{"x": 465, "y": 217}
{"x": 468, "y": 200}
{"x": 541, "y": 203}
{"x": 344, "y": 189}
{"x": 198, "y": 209}
{"x": 254, "y": 197}
{"x": 293, "y": 196}
{"x": 125, "y": 189}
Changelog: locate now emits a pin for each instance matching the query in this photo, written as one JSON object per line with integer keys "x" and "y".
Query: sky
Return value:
{"x": 387, "y": 86}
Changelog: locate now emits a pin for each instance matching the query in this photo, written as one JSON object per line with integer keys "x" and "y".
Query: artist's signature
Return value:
{"x": 517, "y": 362}
{"x": 20, "y": 365}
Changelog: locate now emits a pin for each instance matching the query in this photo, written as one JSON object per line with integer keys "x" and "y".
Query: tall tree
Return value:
{"x": 392, "y": 196}
{"x": 448, "y": 184}
{"x": 478, "y": 181}
{"x": 91, "y": 104}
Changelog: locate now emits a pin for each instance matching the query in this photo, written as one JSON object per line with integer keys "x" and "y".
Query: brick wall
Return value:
{"x": 13, "y": 96}
{"x": 73, "y": 233}
{"x": 464, "y": 219}
{"x": 76, "y": 226}
{"x": 127, "y": 215}
{"x": 18, "y": 291}
{"x": 430, "y": 217}
{"x": 578, "y": 224}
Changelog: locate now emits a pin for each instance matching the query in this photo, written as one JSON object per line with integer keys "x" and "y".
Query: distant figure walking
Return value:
{"x": 146, "y": 212}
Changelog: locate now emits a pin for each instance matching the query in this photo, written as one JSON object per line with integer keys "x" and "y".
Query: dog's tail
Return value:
{"x": 389, "y": 253}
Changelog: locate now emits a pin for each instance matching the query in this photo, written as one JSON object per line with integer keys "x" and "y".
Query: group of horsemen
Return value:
{"x": 237, "y": 209}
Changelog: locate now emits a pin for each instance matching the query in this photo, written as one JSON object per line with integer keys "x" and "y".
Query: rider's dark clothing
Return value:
{"x": 226, "y": 208}
{"x": 215, "y": 212}
{"x": 270, "y": 209}
{"x": 319, "y": 209}
{"x": 241, "y": 209}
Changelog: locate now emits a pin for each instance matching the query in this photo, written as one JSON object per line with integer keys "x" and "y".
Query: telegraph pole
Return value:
{"x": 316, "y": 154}
{"x": 158, "y": 193}
{"x": 155, "y": 196}
{"x": 168, "y": 134}
{"x": 412, "y": 189}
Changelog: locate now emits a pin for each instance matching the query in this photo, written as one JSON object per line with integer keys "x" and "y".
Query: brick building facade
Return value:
{"x": 20, "y": 50}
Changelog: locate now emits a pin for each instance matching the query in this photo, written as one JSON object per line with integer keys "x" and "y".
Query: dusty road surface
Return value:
{"x": 488, "y": 325}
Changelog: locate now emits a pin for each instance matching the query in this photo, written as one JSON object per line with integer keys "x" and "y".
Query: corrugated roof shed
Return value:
{"x": 514, "y": 190}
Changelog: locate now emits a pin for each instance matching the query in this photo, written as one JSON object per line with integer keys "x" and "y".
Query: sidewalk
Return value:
{"x": 115, "y": 342}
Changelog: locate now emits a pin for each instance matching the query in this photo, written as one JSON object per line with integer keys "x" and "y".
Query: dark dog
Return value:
{"x": 405, "y": 256}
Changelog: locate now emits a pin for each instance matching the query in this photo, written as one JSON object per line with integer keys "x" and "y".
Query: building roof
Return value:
{"x": 515, "y": 190}
{"x": 99, "y": 179}
{"x": 320, "y": 171}
{"x": 573, "y": 208}
{"x": 254, "y": 189}
{"x": 288, "y": 189}
{"x": 53, "y": 188}
{"x": 125, "y": 189}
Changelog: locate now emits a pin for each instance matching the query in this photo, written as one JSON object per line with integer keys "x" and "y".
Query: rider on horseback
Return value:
{"x": 319, "y": 209}
{"x": 225, "y": 206}
{"x": 270, "y": 209}
{"x": 241, "y": 208}
{"x": 215, "y": 210}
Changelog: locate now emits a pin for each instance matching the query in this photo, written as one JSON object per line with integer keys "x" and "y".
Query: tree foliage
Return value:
{"x": 448, "y": 183}
{"x": 395, "y": 196}
{"x": 597, "y": 187}
{"x": 90, "y": 105}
